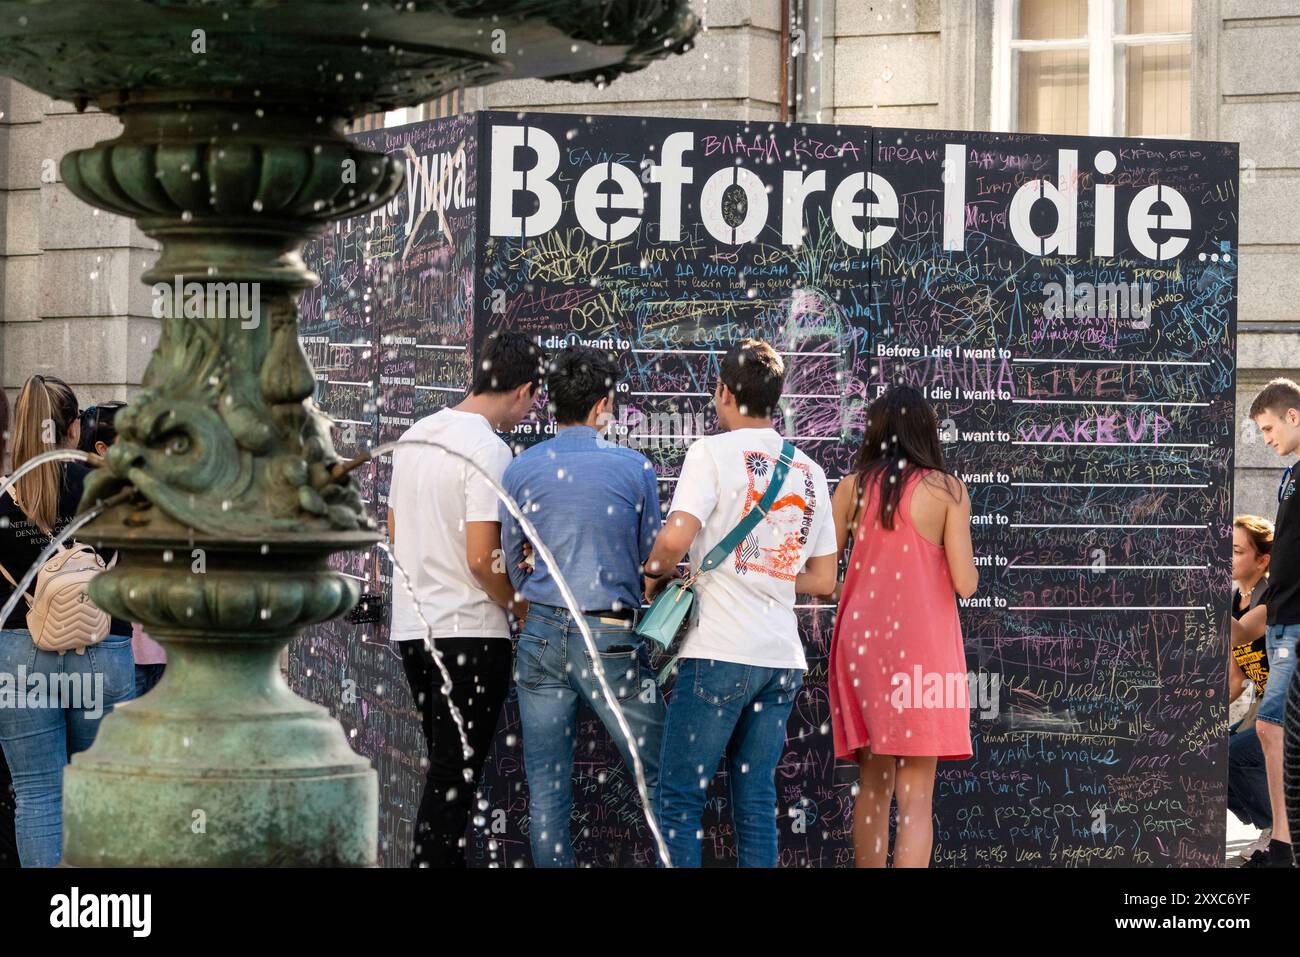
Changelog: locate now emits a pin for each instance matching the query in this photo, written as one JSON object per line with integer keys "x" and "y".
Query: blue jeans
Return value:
{"x": 553, "y": 674}
{"x": 719, "y": 707}
{"x": 46, "y": 720}
{"x": 1247, "y": 779}
{"x": 146, "y": 676}
{"x": 1280, "y": 640}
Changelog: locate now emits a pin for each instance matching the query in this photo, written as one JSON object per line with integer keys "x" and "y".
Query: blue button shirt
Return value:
{"x": 596, "y": 507}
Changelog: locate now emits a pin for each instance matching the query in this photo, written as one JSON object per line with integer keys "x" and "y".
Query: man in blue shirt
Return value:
{"x": 596, "y": 507}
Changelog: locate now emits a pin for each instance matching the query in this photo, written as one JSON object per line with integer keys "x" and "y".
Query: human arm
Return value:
{"x": 1250, "y": 626}
{"x": 490, "y": 530}
{"x": 1236, "y": 678}
{"x": 670, "y": 547}
{"x": 485, "y": 556}
{"x": 957, "y": 545}
{"x": 512, "y": 546}
{"x": 651, "y": 519}
{"x": 843, "y": 505}
{"x": 693, "y": 502}
{"x": 818, "y": 576}
{"x": 820, "y": 573}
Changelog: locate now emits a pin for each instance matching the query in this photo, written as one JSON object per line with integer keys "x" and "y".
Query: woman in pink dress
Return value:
{"x": 898, "y": 684}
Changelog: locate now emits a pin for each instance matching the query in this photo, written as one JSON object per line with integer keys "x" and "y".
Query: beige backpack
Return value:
{"x": 62, "y": 617}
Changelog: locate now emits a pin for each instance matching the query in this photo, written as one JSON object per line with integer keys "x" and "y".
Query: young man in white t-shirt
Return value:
{"x": 742, "y": 661}
{"x": 446, "y": 535}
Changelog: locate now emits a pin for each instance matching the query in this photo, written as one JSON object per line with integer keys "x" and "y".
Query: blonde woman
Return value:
{"x": 66, "y": 695}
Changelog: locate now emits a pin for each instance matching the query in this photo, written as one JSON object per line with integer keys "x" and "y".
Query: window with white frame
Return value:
{"x": 1098, "y": 67}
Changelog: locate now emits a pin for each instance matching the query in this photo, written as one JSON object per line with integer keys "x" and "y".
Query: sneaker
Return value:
{"x": 1270, "y": 859}
{"x": 1251, "y": 849}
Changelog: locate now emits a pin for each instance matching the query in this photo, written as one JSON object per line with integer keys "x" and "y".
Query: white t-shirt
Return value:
{"x": 746, "y": 604}
{"x": 434, "y": 495}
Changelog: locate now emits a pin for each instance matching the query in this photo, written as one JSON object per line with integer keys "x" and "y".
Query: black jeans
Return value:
{"x": 480, "y": 679}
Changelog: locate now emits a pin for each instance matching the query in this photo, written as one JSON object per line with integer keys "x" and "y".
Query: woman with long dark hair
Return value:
{"x": 79, "y": 688}
{"x": 898, "y": 685}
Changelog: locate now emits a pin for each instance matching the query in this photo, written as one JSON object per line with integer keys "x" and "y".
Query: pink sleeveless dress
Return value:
{"x": 898, "y": 682}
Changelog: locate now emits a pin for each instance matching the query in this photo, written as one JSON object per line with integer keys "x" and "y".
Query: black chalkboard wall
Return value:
{"x": 1068, "y": 304}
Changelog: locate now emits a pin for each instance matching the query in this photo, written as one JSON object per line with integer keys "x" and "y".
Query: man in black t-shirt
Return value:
{"x": 1276, "y": 410}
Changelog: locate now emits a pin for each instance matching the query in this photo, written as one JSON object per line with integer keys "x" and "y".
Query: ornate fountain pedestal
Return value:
{"x": 224, "y": 552}
{"x": 233, "y": 154}
{"x": 222, "y": 764}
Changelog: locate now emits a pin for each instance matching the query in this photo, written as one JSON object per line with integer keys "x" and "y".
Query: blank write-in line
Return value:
{"x": 1108, "y": 485}
{"x": 710, "y": 352}
{"x": 344, "y": 382}
{"x": 1109, "y": 445}
{"x": 440, "y": 388}
{"x": 1108, "y": 608}
{"x": 1107, "y": 568}
{"x": 792, "y": 438}
{"x": 1121, "y": 362}
{"x": 1065, "y": 525}
{"x": 452, "y": 348}
{"x": 1099, "y": 402}
{"x": 708, "y": 395}
{"x": 827, "y": 606}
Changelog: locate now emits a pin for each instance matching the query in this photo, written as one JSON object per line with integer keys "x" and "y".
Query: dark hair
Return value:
{"x": 1276, "y": 397}
{"x": 97, "y": 425}
{"x": 754, "y": 373}
{"x": 577, "y": 378}
{"x": 902, "y": 438}
{"x": 508, "y": 360}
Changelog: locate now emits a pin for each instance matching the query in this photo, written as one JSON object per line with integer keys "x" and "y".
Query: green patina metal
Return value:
{"x": 232, "y": 155}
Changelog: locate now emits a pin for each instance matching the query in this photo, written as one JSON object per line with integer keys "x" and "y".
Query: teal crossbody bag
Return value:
{"x": 669, "y": 614}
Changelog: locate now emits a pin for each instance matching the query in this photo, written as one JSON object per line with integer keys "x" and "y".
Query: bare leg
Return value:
{"x": 914, "y": 792}
{"x": 871, "y": 810}
{"x": 1270, "y": 742}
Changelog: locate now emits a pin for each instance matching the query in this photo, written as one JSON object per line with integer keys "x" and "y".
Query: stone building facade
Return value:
{"x": 71, "y": 302}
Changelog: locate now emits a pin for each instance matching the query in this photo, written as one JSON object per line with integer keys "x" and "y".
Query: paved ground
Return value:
{"x": 1239, "y": 835}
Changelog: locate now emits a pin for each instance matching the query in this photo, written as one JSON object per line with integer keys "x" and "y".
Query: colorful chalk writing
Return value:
{"x": 1067, "y": 303}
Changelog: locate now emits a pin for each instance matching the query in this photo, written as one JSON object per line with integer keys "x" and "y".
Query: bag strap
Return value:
{"x": 65, "y": 552}
{"x": 9, "y": 578}
{"x": 4, "y": 571}
{"x": 718, "y": 554}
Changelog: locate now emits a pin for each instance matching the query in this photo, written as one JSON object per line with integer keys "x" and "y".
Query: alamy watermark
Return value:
{"x": 939, "y": 689}
{"x": 208, "y": 300}
{"x": 129, "y": 911}
{"x": 80, "y": 690}
{"x": 635, "y": 429}
{"x": 1105, "y": 300}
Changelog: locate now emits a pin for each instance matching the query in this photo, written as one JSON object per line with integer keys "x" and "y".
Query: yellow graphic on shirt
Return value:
{"x": 1252, "y": 659}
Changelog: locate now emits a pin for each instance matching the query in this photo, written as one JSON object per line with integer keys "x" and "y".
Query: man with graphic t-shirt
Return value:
{"x": 446, "y": 535}
{"x": 1276, "y": 410}
{"x": 742, "y": 662}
